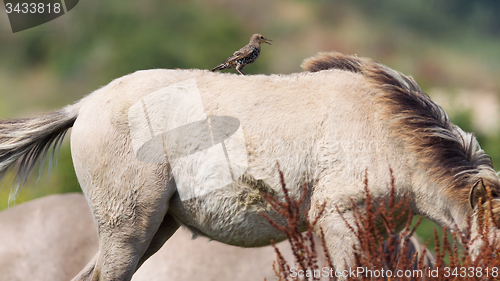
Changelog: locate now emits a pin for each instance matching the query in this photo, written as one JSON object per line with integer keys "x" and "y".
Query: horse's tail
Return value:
{"x": 30, "y": 139}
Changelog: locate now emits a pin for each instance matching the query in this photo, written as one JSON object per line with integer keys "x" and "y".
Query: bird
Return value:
{"x": 244, "y": 56}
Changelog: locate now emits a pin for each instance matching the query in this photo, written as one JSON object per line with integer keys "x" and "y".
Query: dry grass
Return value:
{"x": 303, "y": 245}
{"x": 396, "y": 255}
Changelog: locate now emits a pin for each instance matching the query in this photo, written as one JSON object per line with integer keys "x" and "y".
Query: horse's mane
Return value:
{"x": 452, "y": 156}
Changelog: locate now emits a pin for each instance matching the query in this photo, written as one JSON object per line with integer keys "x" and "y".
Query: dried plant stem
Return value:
{"x": 397, "y": 252}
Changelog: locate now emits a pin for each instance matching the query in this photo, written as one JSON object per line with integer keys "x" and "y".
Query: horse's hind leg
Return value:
{"x": 123, "y": 249}
{"x": 128, "y": 237}
{"x": 123, "y": 254}
{"x": 164, "y": 232}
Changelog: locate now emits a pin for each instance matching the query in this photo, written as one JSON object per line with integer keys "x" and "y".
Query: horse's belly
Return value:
{"x": 230, "y": 217}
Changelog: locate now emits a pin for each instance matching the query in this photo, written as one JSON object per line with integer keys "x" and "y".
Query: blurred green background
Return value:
{"x": 451, "y": 47}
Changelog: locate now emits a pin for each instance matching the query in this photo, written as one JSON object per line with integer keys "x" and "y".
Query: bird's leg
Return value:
{"x": 239, "y": 71}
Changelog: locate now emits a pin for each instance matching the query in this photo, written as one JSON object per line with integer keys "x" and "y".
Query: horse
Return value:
{"x": 53, "y": 237}
{"x": 159, "y": 148}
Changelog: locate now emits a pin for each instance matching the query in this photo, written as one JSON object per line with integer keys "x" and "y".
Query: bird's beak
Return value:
{"x": 267, "y": 41}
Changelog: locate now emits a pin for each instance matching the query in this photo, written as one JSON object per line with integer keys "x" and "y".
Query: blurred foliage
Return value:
{"x": 447, "y": 43}
{"x": 445, "y": 18}
{"x": 119, "y": 37}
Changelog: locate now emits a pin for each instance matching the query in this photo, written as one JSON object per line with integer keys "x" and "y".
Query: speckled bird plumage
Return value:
{"x": 244, "y": 56}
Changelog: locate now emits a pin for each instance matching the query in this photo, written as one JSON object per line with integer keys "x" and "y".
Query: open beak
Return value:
{"x": 267, "y": 41}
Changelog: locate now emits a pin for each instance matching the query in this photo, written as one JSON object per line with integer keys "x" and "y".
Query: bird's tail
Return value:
{"x": 219, "y": 67}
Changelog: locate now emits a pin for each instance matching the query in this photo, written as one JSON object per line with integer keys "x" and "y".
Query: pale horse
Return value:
{"x": 52, "y": 238}
{"x": 157, "y": 149}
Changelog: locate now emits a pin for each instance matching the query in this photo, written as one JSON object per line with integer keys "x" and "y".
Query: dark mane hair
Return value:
{"x": 452, "y": 156}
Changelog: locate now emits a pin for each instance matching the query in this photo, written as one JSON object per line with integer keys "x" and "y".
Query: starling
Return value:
{"x": 244, "y": 56}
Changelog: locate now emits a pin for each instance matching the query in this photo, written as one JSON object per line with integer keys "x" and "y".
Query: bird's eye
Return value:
{"x": 262, "y": 37}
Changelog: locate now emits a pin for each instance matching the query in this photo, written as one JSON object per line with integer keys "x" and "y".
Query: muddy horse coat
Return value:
{"x": 159, "y": 148}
